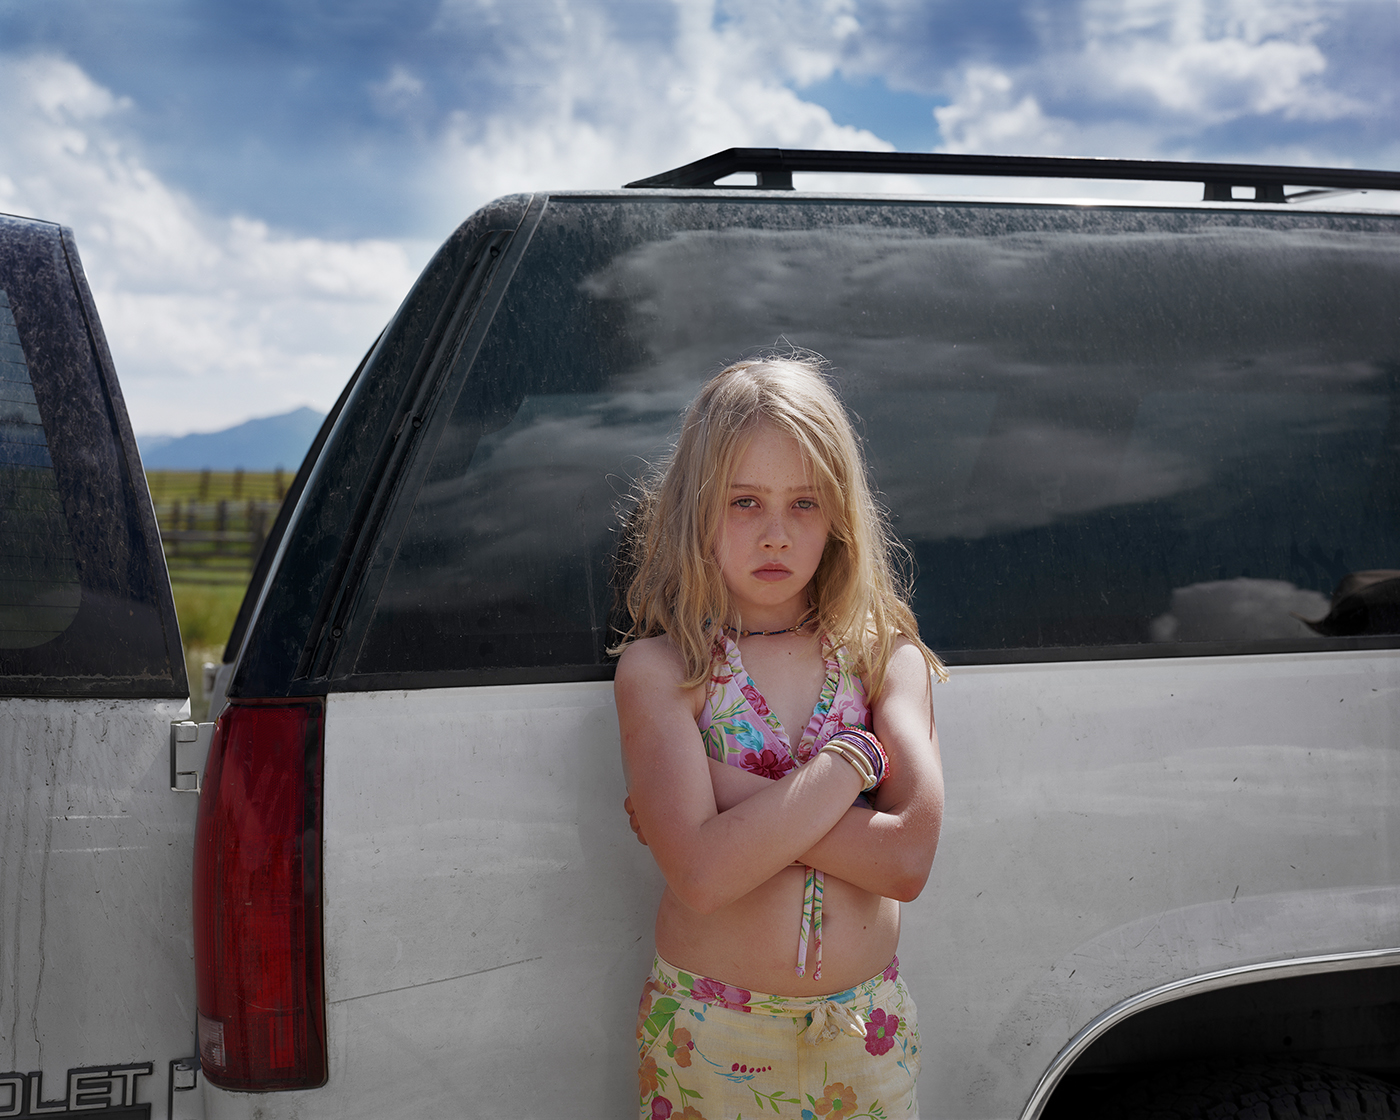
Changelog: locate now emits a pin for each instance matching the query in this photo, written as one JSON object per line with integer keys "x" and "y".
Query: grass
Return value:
{"x": 212, "y": 524}
{"x": 206, "y": 611}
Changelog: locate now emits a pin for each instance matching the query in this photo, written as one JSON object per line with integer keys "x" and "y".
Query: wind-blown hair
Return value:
{"x": 673, "y": 583}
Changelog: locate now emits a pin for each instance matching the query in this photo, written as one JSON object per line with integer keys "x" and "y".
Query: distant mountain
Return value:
{"x": 256, "y": 445}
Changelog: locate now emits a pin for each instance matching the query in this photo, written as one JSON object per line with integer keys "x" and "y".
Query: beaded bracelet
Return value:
{"x": 874, "y": 750}
{"x": 858, "y": 762}
{"x": 864, "y": 752}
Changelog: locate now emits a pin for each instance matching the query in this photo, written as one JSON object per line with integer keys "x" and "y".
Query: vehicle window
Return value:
{"x": 521, "y": 578}
{"x": 1101, "y": 432}
{"x": 296, "y": 620}
{"x": 84, "y": 604}
{"x": 39, "y": 589}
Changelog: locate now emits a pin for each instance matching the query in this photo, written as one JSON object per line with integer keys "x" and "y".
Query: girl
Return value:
{"x": 768, "y": 641}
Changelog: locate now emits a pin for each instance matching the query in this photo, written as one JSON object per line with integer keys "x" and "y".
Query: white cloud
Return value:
{"x": 611, "y": 110}
{"x": 989, "y": 114}
{"x": 1213, "y": 62}
{"x": 400, "y": 95}
{"x": 1239, "y": 610}
{"x": 211, "y": 319}
{"x": 1146, "y": 78}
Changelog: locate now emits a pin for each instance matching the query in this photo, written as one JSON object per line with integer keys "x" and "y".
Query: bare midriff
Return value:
{"x": 749, "y": 942}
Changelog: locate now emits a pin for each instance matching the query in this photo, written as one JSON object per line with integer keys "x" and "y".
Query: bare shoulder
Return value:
{"x": 651, "y": 670}
{"x": 650, "y": 660}
{"x": 903, "y": 719}
{"x": 908, "y": 674}
{"x": 904, "y": 707}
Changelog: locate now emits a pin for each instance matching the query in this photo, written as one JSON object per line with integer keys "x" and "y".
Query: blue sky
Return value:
{"x": 254, "y": 185}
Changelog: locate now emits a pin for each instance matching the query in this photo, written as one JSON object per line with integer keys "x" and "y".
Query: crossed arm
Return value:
{"x": 711, "y": 858}
{"x": 887, "y": 851}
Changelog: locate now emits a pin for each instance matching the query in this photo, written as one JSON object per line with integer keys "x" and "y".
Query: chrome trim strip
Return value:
{"x": 1191, "y": 986}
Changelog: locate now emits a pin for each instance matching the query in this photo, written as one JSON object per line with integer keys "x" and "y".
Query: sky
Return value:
{"x": 254, "y": 185}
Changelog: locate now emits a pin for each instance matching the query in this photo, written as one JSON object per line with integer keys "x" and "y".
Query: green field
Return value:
{"x": 167, "y": 486}
{"x": 212, "y": 525}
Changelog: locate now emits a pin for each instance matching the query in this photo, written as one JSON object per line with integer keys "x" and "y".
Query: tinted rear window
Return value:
{"x": 1102, "y": 432}
{"x": 39, "y": 588}
{"x": 85, "y": 606}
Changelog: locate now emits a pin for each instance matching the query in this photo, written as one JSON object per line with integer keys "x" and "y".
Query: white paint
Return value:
{"x": 96, "y": 945}
{"x": 1112, "y": 827}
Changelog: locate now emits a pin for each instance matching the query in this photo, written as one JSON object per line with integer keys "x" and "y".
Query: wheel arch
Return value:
{"x": 1127, "y": 1030}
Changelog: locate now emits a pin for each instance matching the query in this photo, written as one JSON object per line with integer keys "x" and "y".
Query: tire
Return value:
{"x": 1273, "y": 1091}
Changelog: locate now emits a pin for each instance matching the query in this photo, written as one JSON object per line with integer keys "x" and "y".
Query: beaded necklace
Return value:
{"x": 805, "y": 621}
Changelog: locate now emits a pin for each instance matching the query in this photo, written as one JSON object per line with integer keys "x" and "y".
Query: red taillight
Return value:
{"x": 257, "y": 900}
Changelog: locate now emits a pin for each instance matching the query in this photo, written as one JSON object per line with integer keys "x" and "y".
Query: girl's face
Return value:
{"x": 772, "y": 533}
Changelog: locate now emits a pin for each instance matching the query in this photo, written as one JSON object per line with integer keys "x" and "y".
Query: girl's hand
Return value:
{"x": 632, "y": 820}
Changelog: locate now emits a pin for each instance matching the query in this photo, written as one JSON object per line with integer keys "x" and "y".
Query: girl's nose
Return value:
{"x": 775, "y": 534}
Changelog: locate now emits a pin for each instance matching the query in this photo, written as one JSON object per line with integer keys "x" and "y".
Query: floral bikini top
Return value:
{"x": 739, "y": 730}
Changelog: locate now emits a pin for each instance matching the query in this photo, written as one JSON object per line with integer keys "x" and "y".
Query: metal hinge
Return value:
{"x": 189, "y": 748}
{"x": 184, "y": 1078}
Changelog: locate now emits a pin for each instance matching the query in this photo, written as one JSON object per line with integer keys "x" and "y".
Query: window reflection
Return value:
{"x": 39, "y": 589}
{"x": 1093, "y": 428}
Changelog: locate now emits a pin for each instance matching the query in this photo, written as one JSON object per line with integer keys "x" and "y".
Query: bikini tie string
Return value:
{"x": 811, "y": 929}
{"x": 830, "y": 1019}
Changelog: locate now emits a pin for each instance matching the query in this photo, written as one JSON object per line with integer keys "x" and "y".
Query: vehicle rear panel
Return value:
{"x": 1110, "y": 827}
{"x": 95, "y": 889}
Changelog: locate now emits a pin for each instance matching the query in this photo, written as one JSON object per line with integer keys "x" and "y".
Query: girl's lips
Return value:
{"x": 772, "y": 572}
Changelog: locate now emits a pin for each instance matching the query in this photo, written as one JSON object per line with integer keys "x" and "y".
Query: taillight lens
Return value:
{"x": 257, "y": 900}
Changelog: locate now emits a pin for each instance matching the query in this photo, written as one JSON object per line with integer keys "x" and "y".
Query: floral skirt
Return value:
{"x": 711, "y": 1051}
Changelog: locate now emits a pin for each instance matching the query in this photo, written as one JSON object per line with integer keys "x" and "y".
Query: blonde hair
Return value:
{"x": 673, "y": 583}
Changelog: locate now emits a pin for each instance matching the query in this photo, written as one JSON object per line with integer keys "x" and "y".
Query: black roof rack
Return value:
{"x": 774, "y": 168}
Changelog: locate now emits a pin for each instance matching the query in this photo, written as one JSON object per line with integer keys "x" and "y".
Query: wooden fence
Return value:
{"x": 210, "y": 535}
